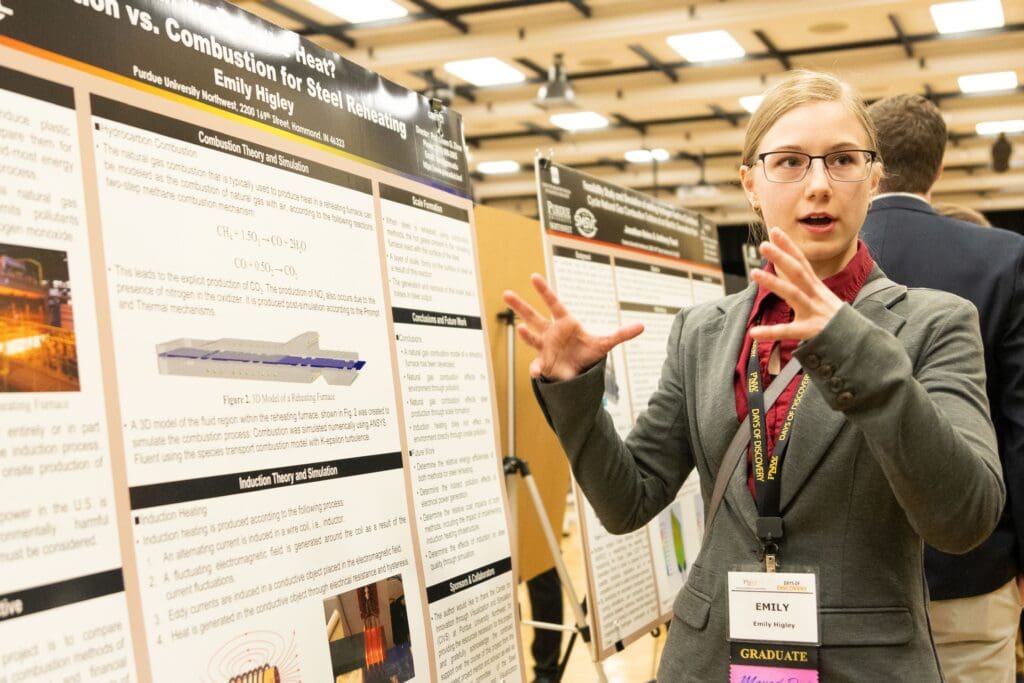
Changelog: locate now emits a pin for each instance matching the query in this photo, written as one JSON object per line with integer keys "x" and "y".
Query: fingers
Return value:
{"x": 788, "y": 266}
{"x": 525, "y": 311}
{"x": 548, "y": 295}
{"x": 529, "y": 336}
{"x": 793, "y": 330}
{"x": 788, "y": 291}
{"x": 779, "y": 237}
{"x": 623, "y": 334}
{"x": 789, "y": 260}
{"x": 535, "y": 367}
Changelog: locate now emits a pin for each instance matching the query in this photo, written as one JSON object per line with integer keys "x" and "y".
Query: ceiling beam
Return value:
{"x": 903, "y": 75}
{"x": 534, "y": 129}
{"x": 732, "y": 117}
{"x": 446, "y": 16}
{"x": 504, "y": 41}
{"x": 655, "y": 62}
{"x": 773, "y": 50}
{"x": 581, "y": 7}
{"x": 540, "y": 73}
{"x": 498, "y": 6}
{"x": 627, "y": 122}
{"x": 908, "y": 45}
{"x": 783, "y": 56}
{"x": 312, "y": 27}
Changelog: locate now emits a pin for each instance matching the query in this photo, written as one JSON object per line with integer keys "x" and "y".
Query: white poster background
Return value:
{"x": 57, "y": 517}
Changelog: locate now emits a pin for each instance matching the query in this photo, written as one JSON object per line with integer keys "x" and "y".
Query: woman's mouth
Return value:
{"x": 818, "y": 222}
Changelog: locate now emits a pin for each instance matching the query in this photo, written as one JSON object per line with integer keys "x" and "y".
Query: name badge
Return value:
{"x": 774, "y": 607}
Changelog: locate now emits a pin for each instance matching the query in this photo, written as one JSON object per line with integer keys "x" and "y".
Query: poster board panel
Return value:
{"x": 617, "y": 256}
{"x": 216, "y": 333}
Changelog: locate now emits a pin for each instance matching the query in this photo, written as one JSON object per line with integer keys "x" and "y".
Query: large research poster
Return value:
{"x": 246, "y": 407}
{"x": 617, "y": 256}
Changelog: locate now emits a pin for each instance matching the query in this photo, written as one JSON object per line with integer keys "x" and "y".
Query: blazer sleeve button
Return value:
{"x": 826, "y": 370}
{"x": 844, "y": 399}
{"x": 835, "y": 383}
{"x": 812, "y": 361}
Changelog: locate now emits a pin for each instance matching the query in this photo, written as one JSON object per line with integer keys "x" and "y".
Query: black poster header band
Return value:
{"x": 457, "y": 584}
{"x": 189, "y": 490}
{"x": 218, "y": 55}
{"x": 210, "y": 138}
{"x": 458, "y": 321}
{"x": 28, "y": 601}
{"x": 579, "y": 255}
{"x": 36, "y": 88}
{"x": 410, "y": 199}
{"x": 586, "y": 207}
{"x": 651, "y": 268}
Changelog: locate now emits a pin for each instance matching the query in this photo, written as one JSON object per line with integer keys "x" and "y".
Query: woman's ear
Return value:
{"x": 877, "y": 171}
{"x": 747, "y": 181}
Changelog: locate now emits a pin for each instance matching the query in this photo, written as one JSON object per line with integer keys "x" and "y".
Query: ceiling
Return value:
{"x": 621, "y": 66}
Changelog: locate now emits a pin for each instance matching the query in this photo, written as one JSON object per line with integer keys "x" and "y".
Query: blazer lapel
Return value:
{"x": 720, "y": 340}
{"x": 817, "y": 425}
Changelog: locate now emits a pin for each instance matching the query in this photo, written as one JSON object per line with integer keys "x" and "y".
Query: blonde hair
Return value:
{"x": 799, "y": 88}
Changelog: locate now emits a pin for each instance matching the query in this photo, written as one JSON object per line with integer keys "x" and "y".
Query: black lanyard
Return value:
{"x": 768, "y": 466}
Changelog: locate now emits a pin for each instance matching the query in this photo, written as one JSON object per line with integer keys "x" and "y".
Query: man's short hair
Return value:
{"x": 911, "y": 141}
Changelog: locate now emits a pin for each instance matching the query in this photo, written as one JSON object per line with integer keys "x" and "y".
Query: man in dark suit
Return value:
{"x": 975, "y": 609}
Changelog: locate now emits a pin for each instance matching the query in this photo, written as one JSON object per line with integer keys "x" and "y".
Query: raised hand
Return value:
{"x": 564, "y": 348}
{"x": 813, "y": 303}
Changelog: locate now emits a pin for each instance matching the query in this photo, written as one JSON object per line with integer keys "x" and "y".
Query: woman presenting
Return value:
{"x": 880, "y": 440}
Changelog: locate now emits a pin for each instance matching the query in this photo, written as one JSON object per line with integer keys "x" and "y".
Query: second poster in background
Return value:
{"x": 615, "y": 257}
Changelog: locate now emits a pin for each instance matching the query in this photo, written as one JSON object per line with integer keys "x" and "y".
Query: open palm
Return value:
{"x": 564, "y": 348}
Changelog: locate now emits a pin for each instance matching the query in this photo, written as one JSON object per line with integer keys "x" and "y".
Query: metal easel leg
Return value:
{"x": 514, "y": 466}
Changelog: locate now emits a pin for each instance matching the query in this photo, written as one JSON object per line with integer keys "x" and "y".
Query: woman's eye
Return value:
{"x": 791, "y": 162}
{"x": 842, "y": 160}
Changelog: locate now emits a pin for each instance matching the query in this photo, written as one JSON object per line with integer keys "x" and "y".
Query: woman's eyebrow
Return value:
{"x": 847, "y": 145}
{"x": 800, "y": 148}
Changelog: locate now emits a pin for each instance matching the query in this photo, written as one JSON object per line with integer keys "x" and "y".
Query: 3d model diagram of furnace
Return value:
{"x": 298, "y": 360}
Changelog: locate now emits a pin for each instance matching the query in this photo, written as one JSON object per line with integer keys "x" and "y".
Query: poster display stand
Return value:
{"x": 248, "y": 418}
{"x": 517, "y": 467}
{"x": 616, "y": 256}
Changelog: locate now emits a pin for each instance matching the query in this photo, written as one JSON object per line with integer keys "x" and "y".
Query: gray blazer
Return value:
{"x": 892, "y": 444}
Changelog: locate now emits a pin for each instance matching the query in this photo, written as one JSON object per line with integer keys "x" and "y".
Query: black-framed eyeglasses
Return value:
{"x": 845, "y": 165}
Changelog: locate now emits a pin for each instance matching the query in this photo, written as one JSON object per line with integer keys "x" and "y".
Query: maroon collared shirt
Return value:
{"x": 772, "y": 310}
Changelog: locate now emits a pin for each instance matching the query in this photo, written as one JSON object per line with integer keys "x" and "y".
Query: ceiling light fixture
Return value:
{"x": 997, "y": 80}
{"x": 579, "y": 120}
{"x": 646, "y": 156}
{"x": 360, "y": 11}
{"x": 706, "y": 46}
{"x": 968, "y": 15}
{"x": 485, "y": 71}
{"x": 497, "y": 167}
{"x": 751, "y": 102}
{"x": 996, "y": 127}
{"x": 557, "y": 91}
